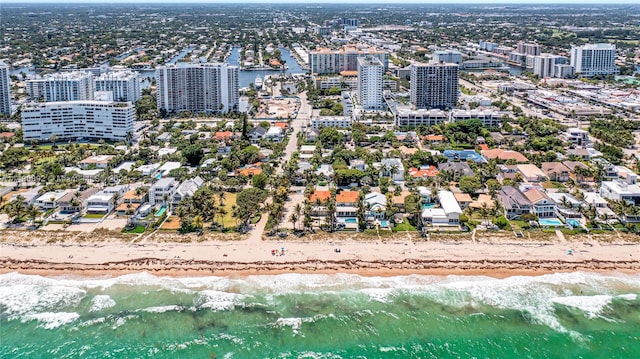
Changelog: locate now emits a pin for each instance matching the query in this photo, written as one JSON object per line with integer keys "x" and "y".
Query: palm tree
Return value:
{"x": 32, "y": 213}
{"x": 293, "y": 219}
{"x": 197, "y": 222}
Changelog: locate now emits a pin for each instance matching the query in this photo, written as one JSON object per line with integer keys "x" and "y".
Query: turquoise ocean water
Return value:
{"x": 569, "y": 315}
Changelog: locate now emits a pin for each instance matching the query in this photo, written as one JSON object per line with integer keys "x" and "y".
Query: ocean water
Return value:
{"x": 569, "y": 315}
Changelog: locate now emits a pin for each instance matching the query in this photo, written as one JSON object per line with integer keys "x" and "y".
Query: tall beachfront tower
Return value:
{"x": 123, "y": 85}
{"x": 594, "y": 59}
{"x": 325, "y": 61}
{"x": 205, "y": 87}
{"x": 70, "y": 120}
{"x": 370, "y": 71}
{"x": 434, "y": 85}
{"x": 64, "y": 86}
{"x": 5, "y": 87}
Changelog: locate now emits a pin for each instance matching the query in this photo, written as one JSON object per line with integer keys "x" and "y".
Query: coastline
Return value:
{"x": 163, "y": 255}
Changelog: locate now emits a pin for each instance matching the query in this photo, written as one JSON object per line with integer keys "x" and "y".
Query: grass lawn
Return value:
{"x": 172, "y": 223}
{"x": 93, "y": 215}
{"x": 517, "y": 225}
{"x": 229, "y": 201}
{"x": 136, "y": 229}
{"x": 404, "y": 227}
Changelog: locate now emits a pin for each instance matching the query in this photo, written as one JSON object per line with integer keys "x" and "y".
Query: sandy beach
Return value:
{"x": 166, "y": 254}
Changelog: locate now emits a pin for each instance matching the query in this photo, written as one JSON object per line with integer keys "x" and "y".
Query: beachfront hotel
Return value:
{"x": 5, "y": 87}
{"x": 594, "y": 59}
{"x": 123, "y": 85}
{"x": 370, "y": 71}
{"x": 72, "y": 120}
{"x": 64, "y": 86}
{"x": 434, "y": 85}
{"x": 325, "y": 61}
{"x": 203, "y": 87}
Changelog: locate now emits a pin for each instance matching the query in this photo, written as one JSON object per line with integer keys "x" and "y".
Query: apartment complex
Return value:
{"x": 449, "y": 56}
{"x": 594, "y": 59}
{"x": 204, "y": 87}
{"x": 64, "y": 86}
{"x": 545, "y": 65}
{"x": 5, "y": 87}
{"x": 123, "y": 85}
{"x": 370, "y": 71}
{"x": 77, "y": 119}
{"x": 434, "y": 85}
{"x": 325, "y": 61}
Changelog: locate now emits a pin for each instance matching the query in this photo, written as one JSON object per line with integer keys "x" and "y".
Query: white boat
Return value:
{"x": 258, "y": 82}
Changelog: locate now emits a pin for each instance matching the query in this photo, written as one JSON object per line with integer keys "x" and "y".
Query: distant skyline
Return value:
{"x": 381, "y": 2}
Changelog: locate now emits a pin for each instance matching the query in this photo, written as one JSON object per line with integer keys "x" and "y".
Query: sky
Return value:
{"x": 388, "y": 2}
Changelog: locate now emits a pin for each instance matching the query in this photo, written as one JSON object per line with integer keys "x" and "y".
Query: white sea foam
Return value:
{"x": 29, "y": 298}
{"x": 51, "y": 320}
{"x": 592, "y": 306}
{"x": 294, "y": 323}
{"x": 162, "y": 309}
{"x": 122, "y": 320}
{"x": 216, "y": 300}
{"x": 100, "y": 302}
{"x": 630, "y": 297}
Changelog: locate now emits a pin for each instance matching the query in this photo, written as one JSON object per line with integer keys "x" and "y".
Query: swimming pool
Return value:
{"x": 550, "y": 222}
{"x": 574, "y": 223}
{"x": 384, "y": 224}
{"x": 350, "y": 220}
{"x": 428, "y": 205}
{"x": 161, "y": 211}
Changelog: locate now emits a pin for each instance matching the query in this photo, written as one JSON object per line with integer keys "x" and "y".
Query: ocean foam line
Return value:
{"x": 51, "y": 320}
{"x": 100, "y": 302}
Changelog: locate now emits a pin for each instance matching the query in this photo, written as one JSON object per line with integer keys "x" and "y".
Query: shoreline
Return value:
{"x": 56, "y": 253}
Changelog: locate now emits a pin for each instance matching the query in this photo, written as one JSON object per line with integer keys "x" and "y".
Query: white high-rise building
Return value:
{"x": 64, "y": 86}
{"x": 205, "y": 87}
{"x": 434, "y": 85}
{"x": 325, "y": 61}
{"x": 449, "y": 56}
{"x": 594, "y": 59}
{"x": 5, "y": 87}
{"x": 124, "y": 85}
{"x": 370, "y": 71}
{"x": 544, "y": 65}
{"x": 70, "y": 120}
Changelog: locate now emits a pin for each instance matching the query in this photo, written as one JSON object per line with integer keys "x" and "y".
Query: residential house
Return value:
{"x": 392, "y": 167}
{"x": 531, "y": 173}
{"x": 50, "y": 200}
{"x": 132, "y": 197}
{"x": 398, "y": 201}
{"x": 318, "y": 201}
{"x": 556, "y": 171}
{"x": 224, "y": 136}
{"x": 358, "y": 164}
{"x": 251, "y": 170}
{"x": 514, "y": 202}
{"x": 566, "y": 205}
{"x": 448, "y": 214}
{"x": 311, "y": 134}
{"x": 72, "y": 203}
{"x": 423, "y": 171}
{"x": 306, "y": 152}
{"x": 576, "y": 176}
{"x": 30, "y": 196}
{"x": 426, "y": 195}
{"x": 542, "y": 205}
{"x": 347, "y": 203}
{"x": 504, "y": 155}
{"x": 169, "y": 166}
{"x": 464, "y": 199}
{"x": 256, "y": 134}
{"x": 457, "y": 168}
{"x": 576, "y": 136}
{"x": 621, "y": 190}
{"x": 149, "y": 170}
{"x": 601, "y": 205}
{"x": 375, "y": 205}
{"x": 464, "y": 155}
{"x": 187, "y": 189}
{"x": 101, "y": 161}
{"x": 162, "y": 190}
{"x": 274, "y": 134}
{"x": 100, "y": 203}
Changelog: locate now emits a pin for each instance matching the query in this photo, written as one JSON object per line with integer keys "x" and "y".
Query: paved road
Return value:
{"x": 296, "y": 124}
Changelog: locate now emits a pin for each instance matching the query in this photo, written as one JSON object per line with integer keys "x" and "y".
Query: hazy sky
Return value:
{"x": 389, "y": 2}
